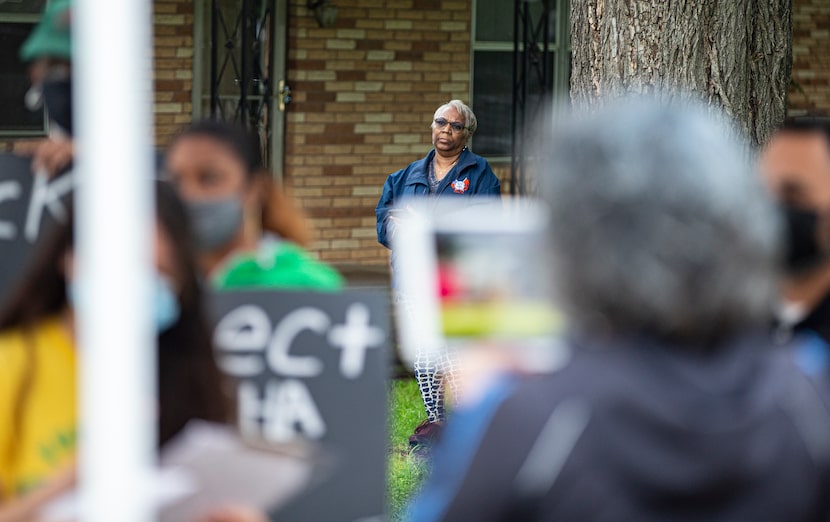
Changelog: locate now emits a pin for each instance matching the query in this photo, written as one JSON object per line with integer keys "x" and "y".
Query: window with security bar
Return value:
{"x": 239, "y": 68}
{"x": 17, "y": 19}
{"x": 513, "y": 74}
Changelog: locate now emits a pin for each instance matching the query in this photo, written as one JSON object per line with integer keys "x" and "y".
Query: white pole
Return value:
{"x": 113, "y": 118}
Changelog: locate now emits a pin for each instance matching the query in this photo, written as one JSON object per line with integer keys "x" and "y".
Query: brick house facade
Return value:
{"x": 364, "y": 92}
{"x": 810, "y": 90}
{"x": 172, "y": 65}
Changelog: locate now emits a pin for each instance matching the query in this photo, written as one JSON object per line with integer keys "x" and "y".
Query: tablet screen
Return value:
{"x": 491, "y": 285}
{"x": 473, "y": 275}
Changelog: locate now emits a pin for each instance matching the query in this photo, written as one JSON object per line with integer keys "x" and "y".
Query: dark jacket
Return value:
{"x": 817, "y": 321}
{"x": 812, "y": 336}
{"x": 412, "y": 182}
{"x": 641, "y": 431}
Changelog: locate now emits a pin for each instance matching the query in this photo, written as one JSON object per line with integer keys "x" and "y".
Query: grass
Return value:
{"x": 407, "y": 469}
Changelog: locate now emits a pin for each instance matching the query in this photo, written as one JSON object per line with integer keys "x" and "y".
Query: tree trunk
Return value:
{"x": 736, "y": 54}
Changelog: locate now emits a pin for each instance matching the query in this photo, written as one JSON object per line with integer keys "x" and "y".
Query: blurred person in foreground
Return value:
{"x": 248, "y": 231}
{"x": 48, "y": 51}
{"x": 796, "y": 167}
{"x": 38, "y": 357}
{"x": 674, "y": 405}
{"x": 449, "y": 170}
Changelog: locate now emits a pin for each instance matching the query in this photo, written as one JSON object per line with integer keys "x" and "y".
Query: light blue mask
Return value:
{"x": 166, "y": 310}
{"x": 166, "y": 306}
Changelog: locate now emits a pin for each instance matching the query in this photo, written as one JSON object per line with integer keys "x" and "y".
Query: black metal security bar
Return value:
{"x": 241, "y": 54}
{"x": 533, "y": 23}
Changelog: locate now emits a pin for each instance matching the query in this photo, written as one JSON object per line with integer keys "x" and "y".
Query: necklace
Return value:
{"x": 441, "y": 173}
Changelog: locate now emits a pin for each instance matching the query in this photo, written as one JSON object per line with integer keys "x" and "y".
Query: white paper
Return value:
{"x": 208, "y": 466}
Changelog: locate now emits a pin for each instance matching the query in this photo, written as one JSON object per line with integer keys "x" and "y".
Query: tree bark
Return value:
{"x": 735, "y": 54}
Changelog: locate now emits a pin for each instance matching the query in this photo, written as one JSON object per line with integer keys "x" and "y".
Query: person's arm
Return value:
{"x": 26, "y": 508}
{"x": 384, "y": 227}
{"x": 499, "y": 459}
{"x": 234, "y": 514}
{"x": 462, "y": 457}
{"x": 487, "y": 184}
{"x": 50, "y": 155}
{"x": 492, "y": 185}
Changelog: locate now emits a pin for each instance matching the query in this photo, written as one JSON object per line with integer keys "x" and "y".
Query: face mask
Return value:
{"x": 166, "y": 305}
{"x": 34, "y": 97}
{"x": 57, "y": 96}
{"x": 166, "y": 310}
{"x": 215, "y": 222}
{"x": 803, "y": 249}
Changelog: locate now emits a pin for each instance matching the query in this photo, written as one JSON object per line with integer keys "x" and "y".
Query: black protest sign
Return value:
{"x": 313, "y": 365}
{"x": 29, "y": 206}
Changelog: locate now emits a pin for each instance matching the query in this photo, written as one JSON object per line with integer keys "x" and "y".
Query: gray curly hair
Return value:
{"x": 659, "y": 224}
{"x": 465, "y": 111}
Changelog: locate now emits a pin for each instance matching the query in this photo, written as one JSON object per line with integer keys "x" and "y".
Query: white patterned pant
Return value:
{"x": 434, "y": 372}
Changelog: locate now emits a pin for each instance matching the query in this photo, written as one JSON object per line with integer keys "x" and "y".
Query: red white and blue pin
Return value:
{"x": 461, "y": 186}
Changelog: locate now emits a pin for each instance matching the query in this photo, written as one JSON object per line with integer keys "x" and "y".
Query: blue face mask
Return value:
{"x": 166, "y": 310}
{"x": 166, "y": 305}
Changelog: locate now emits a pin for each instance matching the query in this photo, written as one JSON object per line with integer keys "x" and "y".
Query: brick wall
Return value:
{"x": 364, "y": 92}
{"x": 810, "y": 91}
{"x": 173, "y": 65}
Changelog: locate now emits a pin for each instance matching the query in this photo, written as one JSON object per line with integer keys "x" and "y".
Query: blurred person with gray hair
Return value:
{"x": 674, "y": 405}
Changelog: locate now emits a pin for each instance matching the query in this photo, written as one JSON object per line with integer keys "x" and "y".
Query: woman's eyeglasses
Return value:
{"x": 454, "y": 125}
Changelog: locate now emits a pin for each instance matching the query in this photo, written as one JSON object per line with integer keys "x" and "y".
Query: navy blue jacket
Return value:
{"x": 471, "y": 176}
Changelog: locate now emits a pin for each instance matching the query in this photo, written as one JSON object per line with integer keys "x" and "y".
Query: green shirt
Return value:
{"x": 277, "y": 265}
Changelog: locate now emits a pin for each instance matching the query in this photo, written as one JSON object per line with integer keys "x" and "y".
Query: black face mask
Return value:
{"x": 57, "y": 97}
{"x": 803, "y": 249}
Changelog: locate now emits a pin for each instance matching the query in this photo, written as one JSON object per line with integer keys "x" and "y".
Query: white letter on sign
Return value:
{"x": 291, "y": 410}
{"x": 45, "y": 194}
{"x": 251, "y": 409}
{"x": 243, "y": 329}
{"x": 8, "y": 190}
{"x": 282, "y": 362}
{"x": 354, "y": 337}
{"x": 286, "y": 410}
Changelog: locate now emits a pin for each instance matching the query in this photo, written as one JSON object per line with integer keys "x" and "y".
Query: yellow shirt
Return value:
{"x": 42, "y": 442}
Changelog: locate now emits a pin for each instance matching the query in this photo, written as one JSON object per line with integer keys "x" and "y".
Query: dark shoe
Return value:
{"x": 426, "y": 434}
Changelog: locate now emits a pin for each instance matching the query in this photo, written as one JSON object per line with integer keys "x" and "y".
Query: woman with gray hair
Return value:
{"x": 449, "y": 170}
{"x": 675, "y": 404}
